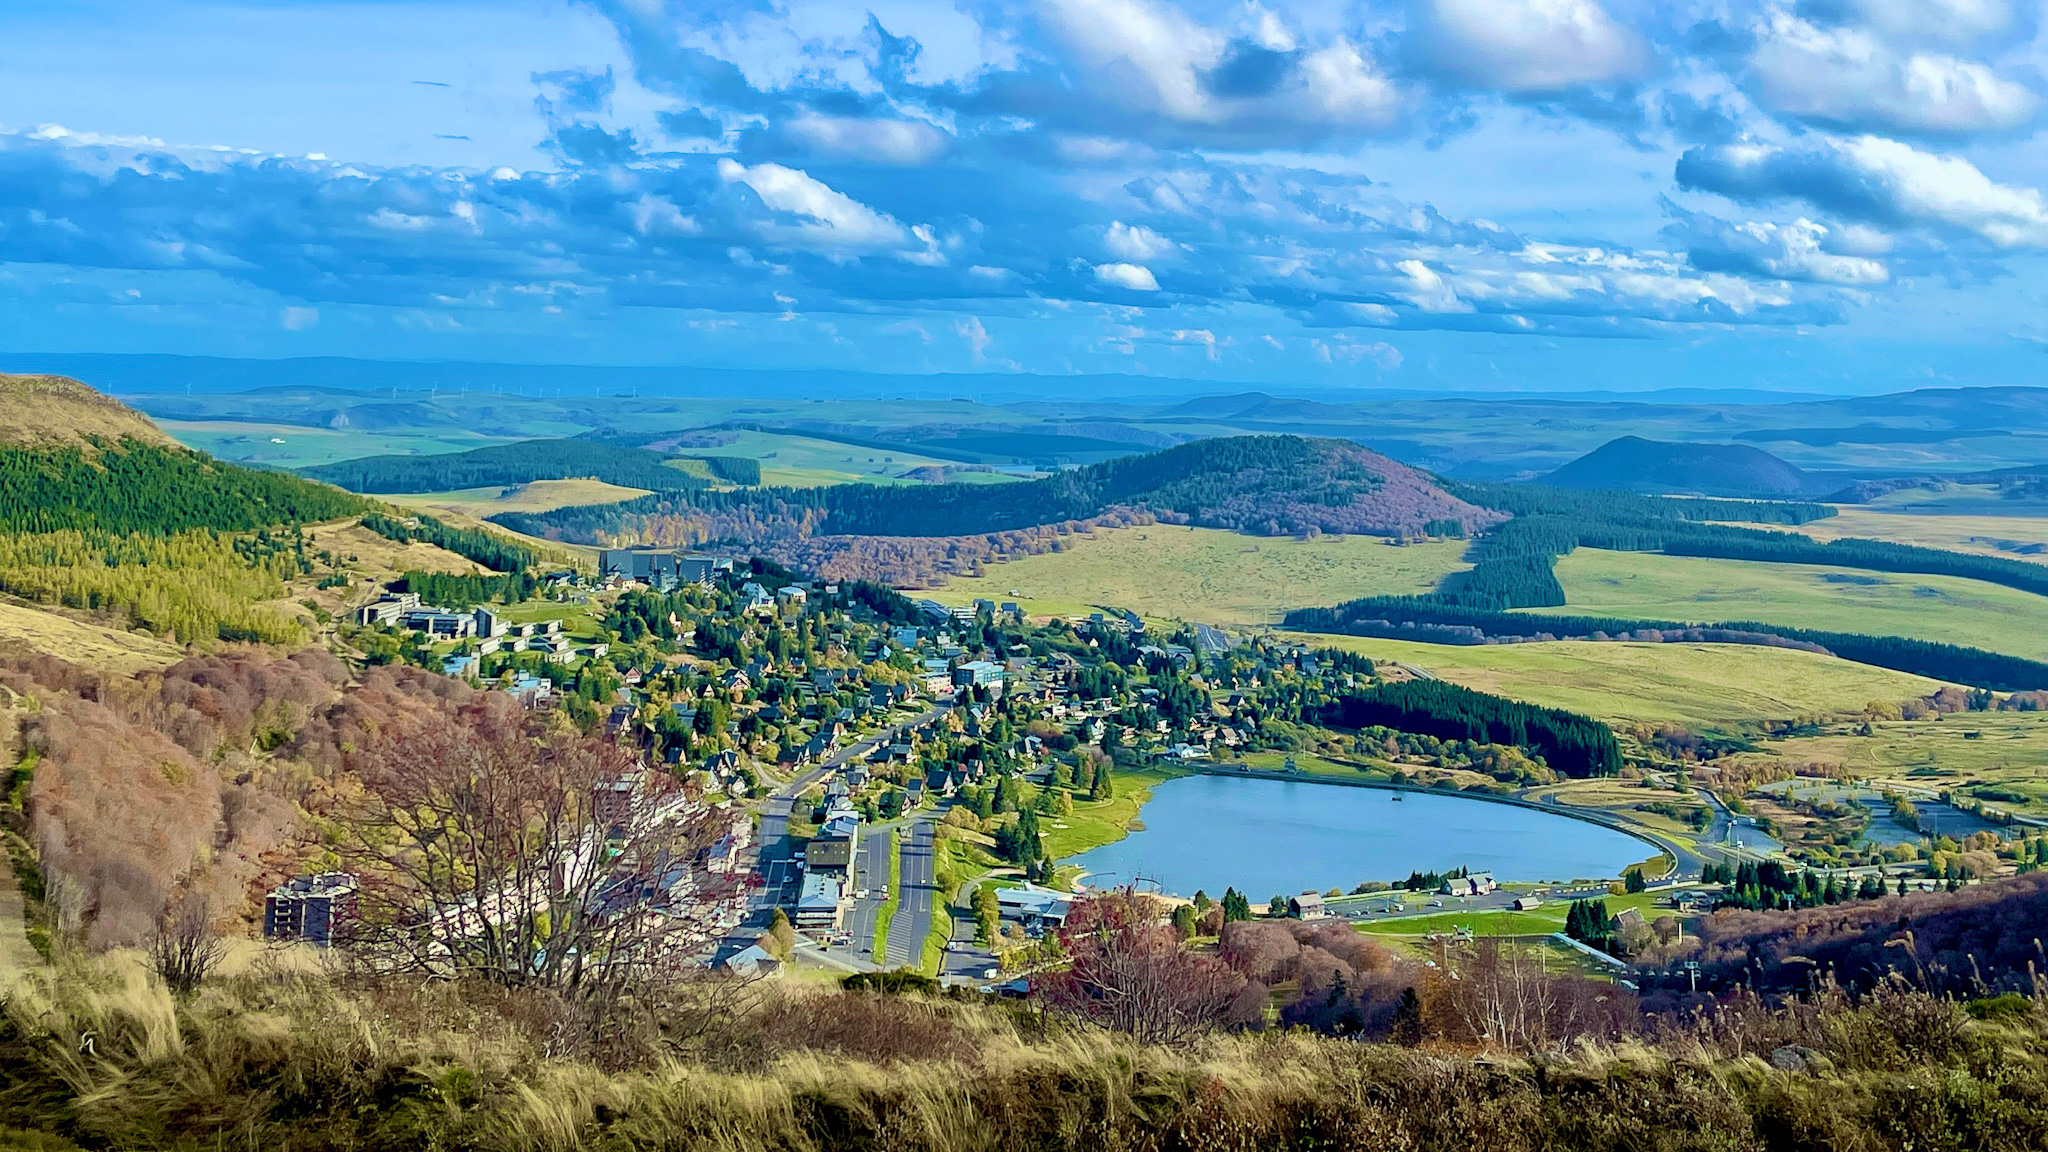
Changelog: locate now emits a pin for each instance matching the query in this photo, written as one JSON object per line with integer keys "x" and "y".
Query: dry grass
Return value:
{"x": 538, "y": 496}
{"x": 25, "y": 629}
{"x": 1208, "y": 575}
{"x": 58, "y": 409}
{"x": 1697, "y": 685}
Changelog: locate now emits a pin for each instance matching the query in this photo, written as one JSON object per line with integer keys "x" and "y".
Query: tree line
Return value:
{"x": 1569, "y": 743}
{"x": 523, "y": 463}
{"x": 493, "y": 552}
{"x": 1404, "y": 616}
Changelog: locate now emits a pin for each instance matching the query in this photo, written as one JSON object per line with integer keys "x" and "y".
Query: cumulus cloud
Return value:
{"x": 1848, "y": 77}
{"x": 1136, "y": 243}
{"x": 1526, "y": 47}
{"x": 817, "y": 216}
{"x": 1133, "y": 277}
{"x": 1875, "y": 181}
{"x": 1801, "y": 250}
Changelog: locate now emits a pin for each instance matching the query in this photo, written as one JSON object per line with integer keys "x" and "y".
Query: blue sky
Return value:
{"x": 1820, "y": 195}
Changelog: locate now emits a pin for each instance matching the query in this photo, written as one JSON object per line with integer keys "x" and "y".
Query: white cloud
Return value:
{"x": 1527, "y": 47}
{"x": 1136, "y": 243}
{"x": 829, "y": 218}
{"x": 1800, "y": 250}
{"x": 1953, "y": 23}
{"x": 882, "y": 141}
{"x": 1202, "y": 336}
{"x": 1133, "y": 277}
{"x": 297, "y": 319}
{"x": 1875, "y": 181}
{"x": 1428, "y": 291}
{"x": 976, "y": 336}
{"x": 1849, "y": 77}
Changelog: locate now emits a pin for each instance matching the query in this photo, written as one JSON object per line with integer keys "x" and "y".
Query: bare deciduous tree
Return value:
{"x": 185, "y": 947}
{"x": 1130, "y": 972}
{"x": 489, "y": 846}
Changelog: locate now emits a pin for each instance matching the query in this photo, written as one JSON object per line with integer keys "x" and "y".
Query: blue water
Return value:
{"x": 1265, "y": 836}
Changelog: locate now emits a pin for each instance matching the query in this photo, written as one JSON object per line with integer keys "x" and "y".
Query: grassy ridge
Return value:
{"x": 1639, "y": 585}
{"x": 1166, "y": 571}
{"x": 1697, "y": 685}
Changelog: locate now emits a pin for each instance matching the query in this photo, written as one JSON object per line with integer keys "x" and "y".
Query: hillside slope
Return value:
{"x": 48, "y": 410}
{"x": 505, "y": 465}
{"x": 1633, "y": 464}
{"x": 1269, "y": 485}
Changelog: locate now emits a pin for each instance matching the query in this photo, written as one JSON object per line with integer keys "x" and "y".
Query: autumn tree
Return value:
{"x": 1130, "y": 972}
{"x": 491, "y": 846}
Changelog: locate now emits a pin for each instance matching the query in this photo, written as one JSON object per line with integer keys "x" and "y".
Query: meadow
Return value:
{"x": 2000, "y": 751}
{"x": 297, "y": 446}
{"x": 1696, "y": 685}
{"x": 1647, "y": 585}
{"x": 24, "y": 630}
{"x": 1207, "y": 575}
{"x": 1958, "y": 533}
{"x": 538, "y": 496}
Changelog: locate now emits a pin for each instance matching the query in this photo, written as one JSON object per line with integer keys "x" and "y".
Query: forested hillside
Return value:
{"x": 136, "y": 527}
{"x": 507, "y": 464}
{"x": 1261, "y": 484}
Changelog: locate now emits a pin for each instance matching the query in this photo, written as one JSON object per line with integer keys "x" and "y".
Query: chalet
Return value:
{"x": 1527, "y": 903}
{"x": 1477, "y": 884}
{"x": 753, "y": 961}
{"x": 1307, "y": 906}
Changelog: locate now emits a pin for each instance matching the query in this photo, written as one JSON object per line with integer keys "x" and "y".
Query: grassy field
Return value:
{"x": 293, "y": 446}
{"x": 1544, "y": 920}
{"x": 538, "y": 496}
{"x": 1976, "y": 534}
{"x": 1653, "y": 586}
{"x": 1697, "y": 685}
{"x": 2004, "y": 750}
{"x": 1207, "y": 575}
{"x": 25, "y": 630}
{"x": 1094, "y": 823}
{"x": 806, "y": 462}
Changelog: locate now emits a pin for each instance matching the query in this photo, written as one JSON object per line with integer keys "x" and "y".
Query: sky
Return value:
{"x": 1809, "y": 195}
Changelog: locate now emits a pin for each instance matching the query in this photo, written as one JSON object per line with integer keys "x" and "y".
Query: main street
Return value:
{"x": 776, "y": 863}
{"x": 918, "y": 899}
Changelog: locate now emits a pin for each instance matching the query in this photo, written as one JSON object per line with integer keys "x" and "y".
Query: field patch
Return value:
{"x": 1943, "y": 609}
{"x": 1207, "y": 575}
{"x": 537, "y": 496}
{"x": 1980, "y": 535}
{"x": 1696, "y": 685}
{"x": 2000, "y": 758}
{"x": 26, "y": 630}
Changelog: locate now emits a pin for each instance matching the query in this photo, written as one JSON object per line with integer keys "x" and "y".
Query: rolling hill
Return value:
{"x": 1633, "y": 464}
{"x": 1263, "y": 485}
{"x": 51, "y": 410}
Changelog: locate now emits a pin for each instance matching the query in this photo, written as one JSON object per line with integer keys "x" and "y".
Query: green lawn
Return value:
{"x": 2007, "y": 751}
{"x": 1648, "y": 585}
{"x": 1208, "y": 575}
{"x": 1697, "y": 685}
{"x": 1094, "y": 824}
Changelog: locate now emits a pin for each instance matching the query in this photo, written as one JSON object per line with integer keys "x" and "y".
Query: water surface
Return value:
{"x": 1264, "y": 836}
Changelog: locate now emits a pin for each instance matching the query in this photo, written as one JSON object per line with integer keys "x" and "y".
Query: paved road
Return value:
{"x": 966, "y": 960}
{"x": 777, "y": 863}
{"x": 872, "y": 875}
{"x": 919, "y": 899}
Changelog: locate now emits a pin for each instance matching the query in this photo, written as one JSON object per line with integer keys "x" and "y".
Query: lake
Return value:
{"x": 1265, "y": 836}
